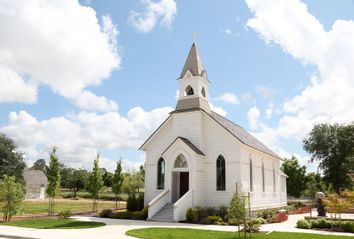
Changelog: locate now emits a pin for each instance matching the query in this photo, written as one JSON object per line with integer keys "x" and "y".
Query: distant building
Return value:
{"x": 36, "y": 182}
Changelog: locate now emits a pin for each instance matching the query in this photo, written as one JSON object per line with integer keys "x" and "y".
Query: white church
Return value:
{"x": 197, "y": 157}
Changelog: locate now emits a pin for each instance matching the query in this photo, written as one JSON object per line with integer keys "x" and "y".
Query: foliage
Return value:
{"x": 314, "y": 183}
{"x": 303, "y": 224}
{"x": 145, "y": 212}
{"x": 65, "y": 214}
{"x": 190, "y": 215}
{"x": 53, "y": 175}
{"x": 95, "y": 184}
{"x": 279, "y": 217}
{"x": 11, "y": 194}
{"x": 223, "y": 212}
{"x": 259, "y": 220}
{"x": 106, "y": 213}
{"x": 237, "y": 208}
{"x": 135, "y": 203}
{"x": 213, "y": 219}
{"x": 107, "y": 179}
{"x": 332, "y": 145}
{"x": 296, "y": 181}
{"x": 117, "y": 181}
{"x": 267, "y": 214}
{"x": 132, "y": 183}
{"x": 349, "y": 196}
{"x": 136, "y": 215}
{"x": 336, "y": 205}
{"x": 55, "y": 224}
{"x": 41, "y": 165}
{"x": 12, "y": 163}
{"x": 252, "y": 226}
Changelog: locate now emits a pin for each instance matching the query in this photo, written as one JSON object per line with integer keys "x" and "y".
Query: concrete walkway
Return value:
{"x": 116, "y": 229}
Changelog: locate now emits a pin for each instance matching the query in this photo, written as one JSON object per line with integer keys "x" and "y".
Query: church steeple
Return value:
{"x": 193, "y": 83}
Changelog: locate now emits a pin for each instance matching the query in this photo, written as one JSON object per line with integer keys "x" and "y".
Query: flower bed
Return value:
{"x": 300, "y": 210}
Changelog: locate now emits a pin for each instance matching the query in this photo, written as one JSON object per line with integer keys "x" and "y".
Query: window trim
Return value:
{"x": 220, "y": 169}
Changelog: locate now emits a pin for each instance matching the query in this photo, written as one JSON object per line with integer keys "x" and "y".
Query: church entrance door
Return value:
{"x": 183, "y": 183}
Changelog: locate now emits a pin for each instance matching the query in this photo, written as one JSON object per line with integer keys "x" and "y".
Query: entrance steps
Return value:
{"x": 165, "y": 214}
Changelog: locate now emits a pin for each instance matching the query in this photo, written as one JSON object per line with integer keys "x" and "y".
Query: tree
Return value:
{"x": 237, "y": 209}
{"x": 332, "y": 145}
{"x": 11, "y": 195}
{"x": 95, "y": 184}
{"x": 53, "y": 175}
{"x": 117, "y": 181}
{"x": 314, "y": 183}
{"x": 296, "y": 181}
{"x": 80, "y": 178}
{"x": 12, "y": 162}
{"x": 67, "y": 177}
{"x": 107, "y": 179}
{"x": 40, "y": 165}
{"x": 132, "y": 183}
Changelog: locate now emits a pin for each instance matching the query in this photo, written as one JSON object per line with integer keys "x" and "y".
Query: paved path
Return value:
{"x": 116, "y": 229}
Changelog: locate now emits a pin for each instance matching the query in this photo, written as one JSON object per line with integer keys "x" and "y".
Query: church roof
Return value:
{"x": 35, "y": 177}
{"x": 241, "y": 134}
{"x": 193, "y": 63}
{"x": 188, "y": 143}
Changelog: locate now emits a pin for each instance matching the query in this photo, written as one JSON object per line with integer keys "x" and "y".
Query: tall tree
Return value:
{"x": 296, "y": 181}
{"x": 11, "y": 195}
{"x": 107, "y": 179}
{"x": 80, "y": 178}
{"x": 40, "y": 165}
{"x": 12, "y": 163}
{"x": 117, "y": 181}
{"x": 332, "y": 145}
{"x": 53, "y": 175}
{"x": 95, "y": 184}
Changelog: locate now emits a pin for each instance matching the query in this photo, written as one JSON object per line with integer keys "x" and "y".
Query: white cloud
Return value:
{"x": 265, "y": 92}
{"x": 163, "y": 11}
{"x": 228, "y": 98}
{"x": 79, "y": 137}
{"x": 218, "y": 109}
{"x": 253, "y": 115}
{"x": 57, "y": 43}
{"x": 90, "y": 101}
{"x": 330, "y": 93}
{"x": 269, "y": 111}
{"x": 226, "y": 30}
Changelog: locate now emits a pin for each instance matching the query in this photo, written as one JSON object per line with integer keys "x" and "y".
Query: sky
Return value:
{"x": 99, "y": 76}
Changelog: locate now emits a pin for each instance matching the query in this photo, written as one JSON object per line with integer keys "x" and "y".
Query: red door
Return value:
{"x": 183, "y": 183}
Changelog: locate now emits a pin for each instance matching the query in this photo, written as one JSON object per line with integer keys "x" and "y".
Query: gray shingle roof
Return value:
{"x": 193, "y": 63}
{"x": 188, "y": 143}
{"x": 36, "y": 177}
{"x": 241, "y": 134}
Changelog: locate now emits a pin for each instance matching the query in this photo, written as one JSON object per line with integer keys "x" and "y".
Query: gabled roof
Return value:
{"x": 241, "y": 134}
{"x": 193, "y": 63}
{"x": 188, "y": 143}
{"x": 34, "y": 177}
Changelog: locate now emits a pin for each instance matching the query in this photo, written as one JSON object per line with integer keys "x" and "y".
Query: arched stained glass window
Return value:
{"x": 181, "y": 162}
{"x": 220, "y": 174}
{"x": 161, "y": 174}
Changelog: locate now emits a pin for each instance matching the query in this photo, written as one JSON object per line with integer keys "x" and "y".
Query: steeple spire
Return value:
{"x": 193, "y": 63}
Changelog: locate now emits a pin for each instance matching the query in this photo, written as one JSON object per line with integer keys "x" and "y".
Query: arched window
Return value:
{"x": 181, "y": 162}
{"x": 161, "y": 174}
{"x": 203, "y": 92}
{"x": 263, "y": 177}
{"x": 251, "y": 175}
{"x": 189, "y": 90}
{"x": 220, "y": 174}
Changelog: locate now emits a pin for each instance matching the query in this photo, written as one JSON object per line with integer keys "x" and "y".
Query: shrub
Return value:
{"x": 348, "y": 226}
{"x": 258, "y": 220}
{"x": 190, "y": 215}
{"x": 267, "y": 214}
{"x": 303, "y": 224}
{"x": 213, "y": 219}
{"x": 140, "y": 202}
{"x": 223, "y": 212}
{"x": 137, "y": 215}
{"x": 145, "y": 212}
{"x": 252, "y": 226}
{"x": 123, "y": 215}
{"x": 321, "y": 223}
{"x": 65, "y": 214}
{"x": 106, "y": 213}
{"x": 132, "y": 204}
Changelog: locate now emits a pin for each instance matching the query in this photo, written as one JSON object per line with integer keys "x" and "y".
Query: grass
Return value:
{"x": 181, "y": 233}
{"x": 54, "y": 224}
{"x": 41, "y": 207}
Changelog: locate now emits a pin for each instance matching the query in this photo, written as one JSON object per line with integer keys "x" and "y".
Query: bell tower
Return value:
{"x": 193, "y": 83}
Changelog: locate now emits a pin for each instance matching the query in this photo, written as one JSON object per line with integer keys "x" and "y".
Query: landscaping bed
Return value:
{"x": 327, "y": 225}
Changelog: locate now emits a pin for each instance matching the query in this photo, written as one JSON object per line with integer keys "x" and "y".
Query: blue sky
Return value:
{"x": 264, "y": 59}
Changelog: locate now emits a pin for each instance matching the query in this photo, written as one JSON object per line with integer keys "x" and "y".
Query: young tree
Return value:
{"x": 332, "y": 145}
{"x": 53, "y": 175}
{"x": 296, "y": 181}
{"x": 12, "y": 162}
{"x": 117, "y": 181}
{"x": 95, "y": 184}
{"x": 237, "y": 209}
{"x": 11, "y": 195}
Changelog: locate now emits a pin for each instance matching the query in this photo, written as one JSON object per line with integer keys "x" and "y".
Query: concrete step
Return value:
{"x": 165, "y": 214}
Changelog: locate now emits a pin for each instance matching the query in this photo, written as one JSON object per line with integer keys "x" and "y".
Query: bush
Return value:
{"x": 267, "y": 214}
{"x": 132, "y": 203}
{"x": 348, "y": 226}
{"x": 137, "y": 215}
{"x": 258, "y": 220}
{"x": 106, "y": 213}
{"x": 123, "y": 215}
{"x": 145, "y": 212}
{"x": 190, "y": 215}
{"x": 213, "y": 219}
{"x": 65, "y": 214}
{"x": 223, "y": 213}
{"x": 303, "y": 224}
{"x": 140, "y": 202}
{"x": 321, "y": 223}
{"x": 252, "y": 226}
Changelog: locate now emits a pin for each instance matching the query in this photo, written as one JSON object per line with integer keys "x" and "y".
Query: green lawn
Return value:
{"x": 39, "y": 207}
{"x": 54, "y": 224}
{"x": 180, "y": 233}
